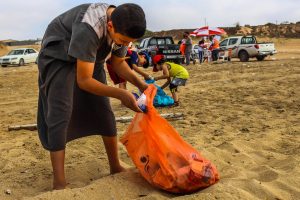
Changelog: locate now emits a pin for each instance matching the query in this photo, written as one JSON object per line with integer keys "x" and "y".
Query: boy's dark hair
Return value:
{"x": 129, "y": 19}
{"x": 201, "y": 41}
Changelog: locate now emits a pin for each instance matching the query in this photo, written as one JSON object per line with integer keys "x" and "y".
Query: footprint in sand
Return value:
{"x": 265, "y": 174}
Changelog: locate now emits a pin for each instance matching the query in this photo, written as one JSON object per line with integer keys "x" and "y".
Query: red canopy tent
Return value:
{"x": 207, "y": 31}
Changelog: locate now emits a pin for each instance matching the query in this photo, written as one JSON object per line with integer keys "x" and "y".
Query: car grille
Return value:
{"x": 5, "y": 59}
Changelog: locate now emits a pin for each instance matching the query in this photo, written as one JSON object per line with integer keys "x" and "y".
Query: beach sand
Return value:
{"x": 244, "y": 117}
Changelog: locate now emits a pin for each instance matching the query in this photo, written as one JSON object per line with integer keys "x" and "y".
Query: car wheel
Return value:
{"x": 178, "y": 61}
{"x": 243, "y": 56}
{"x": 260, "y": 58}
{"x": 3, "y": 65}
{"x": 21, "y": 62}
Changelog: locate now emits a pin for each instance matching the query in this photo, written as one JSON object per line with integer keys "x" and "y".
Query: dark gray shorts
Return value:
{"x": 175, "y": 83}
{"x": 65, "y": 112}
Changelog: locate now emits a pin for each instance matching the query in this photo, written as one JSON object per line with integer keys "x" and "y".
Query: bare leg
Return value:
{"x": 111, "y": 147}
{"x": 175, "y": 96}
{"x": 58, "y": 166}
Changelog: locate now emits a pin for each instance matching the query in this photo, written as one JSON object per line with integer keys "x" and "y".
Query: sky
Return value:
{"x": 28, "y": 19}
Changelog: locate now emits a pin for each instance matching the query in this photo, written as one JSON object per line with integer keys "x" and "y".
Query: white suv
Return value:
{"x": 19, "y": 57}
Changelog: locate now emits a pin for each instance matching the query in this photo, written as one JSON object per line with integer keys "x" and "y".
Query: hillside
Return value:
{"x": 3, "y": 48}
{"x": 291, "y": 30}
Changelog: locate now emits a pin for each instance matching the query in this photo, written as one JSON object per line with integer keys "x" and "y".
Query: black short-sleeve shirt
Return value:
{"x": 81, "y": 33}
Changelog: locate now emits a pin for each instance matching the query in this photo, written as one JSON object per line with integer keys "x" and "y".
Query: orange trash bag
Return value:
{"x": 163, "y": 158}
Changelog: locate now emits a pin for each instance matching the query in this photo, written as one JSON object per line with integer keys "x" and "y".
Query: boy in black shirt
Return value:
{"x": 73, "y": 95}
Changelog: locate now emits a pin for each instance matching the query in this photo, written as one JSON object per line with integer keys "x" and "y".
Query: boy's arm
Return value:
{"x": 120, "y": 66}
{"x": 87, "y": 83}
{"x": 165, "y": 73}
{"x": 136, "y": 68}
{"x": 166, "y": 83}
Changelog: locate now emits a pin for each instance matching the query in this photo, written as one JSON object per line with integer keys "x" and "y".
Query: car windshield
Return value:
{"x": 16, "y": 52}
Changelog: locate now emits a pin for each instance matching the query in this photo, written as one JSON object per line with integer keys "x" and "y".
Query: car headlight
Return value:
{"x": 14, "y": 58}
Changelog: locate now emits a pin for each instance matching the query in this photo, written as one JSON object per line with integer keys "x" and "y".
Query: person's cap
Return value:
{"x": 156, "y": 60}
{"x": 147, "y": 57}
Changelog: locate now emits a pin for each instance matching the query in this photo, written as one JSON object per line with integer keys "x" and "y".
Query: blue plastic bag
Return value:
{"x": 161, "y": 99}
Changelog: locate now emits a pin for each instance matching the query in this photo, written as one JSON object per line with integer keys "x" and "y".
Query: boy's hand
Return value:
{"x": 129, "y": 100}
{"x": 148, "y": 77}
{"x": 141, "y": 102}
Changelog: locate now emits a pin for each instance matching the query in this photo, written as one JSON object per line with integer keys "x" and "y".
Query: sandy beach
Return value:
{"x": 244, "y": 117}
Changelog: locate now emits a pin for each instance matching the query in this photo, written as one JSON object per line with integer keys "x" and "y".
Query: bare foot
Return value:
{"x": 59, "y": 186}
{"x": 117, "y": 169}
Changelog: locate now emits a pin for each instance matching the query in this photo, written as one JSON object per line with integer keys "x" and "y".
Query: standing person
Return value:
{"x": 201, "y": 47}
{"x": 215, "y": 47}
{"x": 182, "y": 48}
{"x": 177, "y": 73}
{"x": 188, "y": 47}
{"x": 73, "y": 95}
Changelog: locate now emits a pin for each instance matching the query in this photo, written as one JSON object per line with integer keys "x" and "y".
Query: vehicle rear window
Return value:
{"x": 31, "y": 51}
{"x": 153, "y": 42}
{"x": 248, "y": 40}
{"x": 169, "y": 41}
{"x": 160, "y": 41}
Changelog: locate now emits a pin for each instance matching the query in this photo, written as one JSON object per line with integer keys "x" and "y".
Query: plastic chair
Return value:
{"x": 206, "y": 55}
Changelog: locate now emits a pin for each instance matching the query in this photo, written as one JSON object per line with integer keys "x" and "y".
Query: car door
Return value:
{"x": 196, "y": 51}
{"x": 248, "y": 44}
{"x": 232, "y": 44}
{"x": 27, "y": 56}
{"x": 33, "y": 55}
{"x": 223, "y": 44}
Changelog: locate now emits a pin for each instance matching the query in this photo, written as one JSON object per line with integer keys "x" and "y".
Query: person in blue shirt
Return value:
{"x": 135, "y": 61}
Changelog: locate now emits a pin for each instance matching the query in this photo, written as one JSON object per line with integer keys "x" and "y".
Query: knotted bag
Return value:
{"x": 163, "y": 158}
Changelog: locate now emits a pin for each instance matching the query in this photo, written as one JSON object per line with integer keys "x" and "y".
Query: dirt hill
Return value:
{"x": 3, "y": 48}
{"x": 291, "y": 30}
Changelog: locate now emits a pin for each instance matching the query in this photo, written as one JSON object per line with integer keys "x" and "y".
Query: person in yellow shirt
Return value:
{"x": 175, "y": 74}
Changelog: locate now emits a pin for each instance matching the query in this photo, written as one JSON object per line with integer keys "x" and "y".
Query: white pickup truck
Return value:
{"x": 245, "y": 47}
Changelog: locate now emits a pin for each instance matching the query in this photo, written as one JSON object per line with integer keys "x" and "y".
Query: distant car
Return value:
{"x": 195, "y": 51}
{"x": 245, "y": 47}
{"x": 19, "y": 57}
{"x": 161, "y": 46}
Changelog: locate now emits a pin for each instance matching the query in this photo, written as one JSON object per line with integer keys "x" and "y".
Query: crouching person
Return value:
{"x": 175, "y": 74}
{"x": 135, "y": 61}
